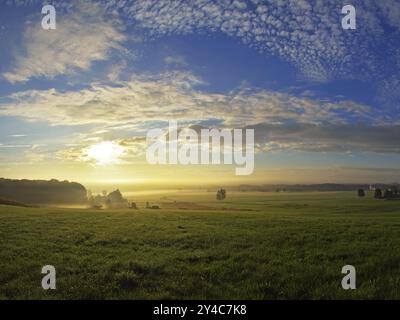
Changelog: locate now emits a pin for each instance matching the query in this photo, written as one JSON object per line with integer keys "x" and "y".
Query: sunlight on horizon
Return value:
{"x": 105, "y": 153}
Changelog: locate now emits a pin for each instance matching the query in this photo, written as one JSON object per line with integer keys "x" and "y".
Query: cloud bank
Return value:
{"x": 282, "y": 121}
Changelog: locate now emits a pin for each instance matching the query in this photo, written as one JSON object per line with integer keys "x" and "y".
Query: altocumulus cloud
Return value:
{"x": 306, "y": 33}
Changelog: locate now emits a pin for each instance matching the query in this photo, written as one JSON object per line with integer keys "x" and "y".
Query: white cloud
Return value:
{"x": 81, "y": 38}
{"x": 175, "y": 60}
{"x": 340, "y": 138}
{"x": 2, "y": 31}
{"x": 306, "y": 33}
{"x": 282, "y": 121}
{"x": 174, "y": 95}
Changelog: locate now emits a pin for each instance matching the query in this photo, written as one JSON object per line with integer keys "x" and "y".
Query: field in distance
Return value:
{"x": 250, "y": 246}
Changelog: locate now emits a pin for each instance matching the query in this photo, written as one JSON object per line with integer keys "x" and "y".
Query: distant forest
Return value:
{"x": 42, "y": 191}
{"x": 324, "y": 187}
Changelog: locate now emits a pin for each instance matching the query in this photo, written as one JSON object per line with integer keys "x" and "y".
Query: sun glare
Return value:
{"x": 105, "y": 153}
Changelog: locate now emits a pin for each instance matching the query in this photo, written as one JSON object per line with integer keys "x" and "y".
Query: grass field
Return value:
{"x": 250, "y": 246}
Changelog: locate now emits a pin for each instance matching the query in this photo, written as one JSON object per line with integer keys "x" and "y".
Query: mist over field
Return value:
{"x": 251, "y": 246}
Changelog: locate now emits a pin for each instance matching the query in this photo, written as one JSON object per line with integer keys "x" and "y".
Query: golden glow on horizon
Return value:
{"x": 105, "y": 153}
{"x": 113, "y": 166}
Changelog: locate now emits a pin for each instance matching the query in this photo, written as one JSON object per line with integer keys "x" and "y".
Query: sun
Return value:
{"x": 105, "y": 153}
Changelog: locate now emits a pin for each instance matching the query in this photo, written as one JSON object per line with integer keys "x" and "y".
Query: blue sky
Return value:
{"x": 324, "y": 101}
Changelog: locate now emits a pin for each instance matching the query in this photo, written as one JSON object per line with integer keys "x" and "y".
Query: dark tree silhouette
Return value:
{"x": 43, "y": 192}
{"x": 388, "y": 194}
{"x": 378, "y": 194}
{"x": 361, "y": 193}
{"x": 113, "y": 200}
{"x": 221, "y": 194}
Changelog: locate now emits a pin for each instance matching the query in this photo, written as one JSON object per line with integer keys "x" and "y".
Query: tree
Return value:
{"x": 388, "y": 194}
{"x": 361, "y": 193}
{"x": 42, "y": 191}
{"x": 221, "y": 194}
{"x": 133, "y": 205}
{"x": 378, "y": 194}
{"x": 116, "y": 196}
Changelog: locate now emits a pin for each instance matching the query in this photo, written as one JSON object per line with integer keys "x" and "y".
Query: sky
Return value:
{"x": 77, "y": 102}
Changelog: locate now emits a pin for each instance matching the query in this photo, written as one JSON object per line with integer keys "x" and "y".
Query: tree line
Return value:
{"x": 43, "y": 191}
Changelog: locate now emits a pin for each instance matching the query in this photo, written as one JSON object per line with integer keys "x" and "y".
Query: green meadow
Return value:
{"x": 250, "y": 246}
